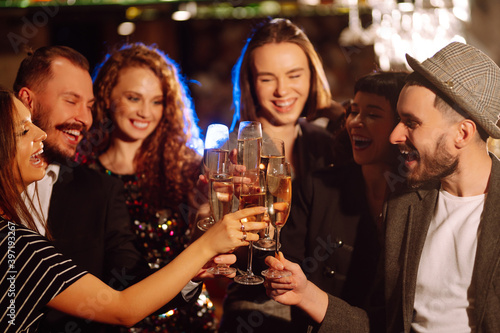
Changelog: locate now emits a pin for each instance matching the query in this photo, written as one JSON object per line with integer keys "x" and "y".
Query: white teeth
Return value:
{"x": 359, "y": 138}
{"x": 140, "y": 124}
{"x": 72, "y": 132}
{"x": 284, "y": 103}
{"x": 37, "y": 153}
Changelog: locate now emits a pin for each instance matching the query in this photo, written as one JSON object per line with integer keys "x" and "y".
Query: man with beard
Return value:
{"x": 441, "y": 271}
{"x": 81, "y": 210}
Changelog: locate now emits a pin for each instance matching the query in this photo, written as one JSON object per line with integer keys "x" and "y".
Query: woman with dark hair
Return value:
{"x": 335, "y": 231}
{"x": 36, "y": 276}
{"x": 145, "y": 134}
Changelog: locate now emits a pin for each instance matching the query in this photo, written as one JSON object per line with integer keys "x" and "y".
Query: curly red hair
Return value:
{"x": 168, "y": 161}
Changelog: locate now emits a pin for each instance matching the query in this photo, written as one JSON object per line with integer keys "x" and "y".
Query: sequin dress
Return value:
{"x": 161, "y": 236}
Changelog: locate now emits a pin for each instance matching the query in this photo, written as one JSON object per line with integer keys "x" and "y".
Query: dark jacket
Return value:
{"x": 408, "y": 217}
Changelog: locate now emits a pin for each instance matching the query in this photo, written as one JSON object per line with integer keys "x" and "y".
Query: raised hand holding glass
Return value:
{"x": 278, "y": 200}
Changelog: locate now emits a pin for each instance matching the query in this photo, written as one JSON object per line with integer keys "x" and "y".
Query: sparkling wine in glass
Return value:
{"x": 220, "y": 195}
{"x": 273, "y": 149}
{"x": 216, "y": 154}
{"x": 278, "y": 201}
{"x": 252, "y": 194}
{"x": 249, "y": 144}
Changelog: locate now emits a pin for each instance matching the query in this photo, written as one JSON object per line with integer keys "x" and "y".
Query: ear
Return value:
{"x": 466, "y": 132}
{"x": 26, "y": 96}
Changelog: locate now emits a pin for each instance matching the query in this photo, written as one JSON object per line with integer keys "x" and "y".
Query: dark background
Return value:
{"x": 206, "y": 49}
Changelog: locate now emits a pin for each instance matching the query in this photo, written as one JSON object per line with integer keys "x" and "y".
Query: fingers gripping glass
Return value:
{"x": 278, "y": 201}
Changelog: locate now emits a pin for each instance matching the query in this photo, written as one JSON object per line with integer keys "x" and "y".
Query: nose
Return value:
{"x": 40, "y": 134}
{"x": 281, "y": 87}
{"x": 397, "y": 135}
{"x": 144, "y": 110}
{"x": 84, "y": 115}
{"x": 357, "y": 120}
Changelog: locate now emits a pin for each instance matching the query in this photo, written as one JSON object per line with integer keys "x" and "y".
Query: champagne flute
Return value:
{"x": 220, "y": 196}
{"x": 251, "y": 184}
{"x": 279, "y": 200}
{"x": 249, "y": 144}
{"x": 252, "y": 193}
{"x": 216, "y": 153}
{"x": 272, "y": 149}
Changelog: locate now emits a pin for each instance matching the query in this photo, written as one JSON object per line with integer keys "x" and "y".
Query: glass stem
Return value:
{"x": 250, "y": 257}
{"x": 277, "y": 232}
{"x": 266, "y": 231}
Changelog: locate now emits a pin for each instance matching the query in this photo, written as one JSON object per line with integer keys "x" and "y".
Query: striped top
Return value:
{"x": 32, "y": 273}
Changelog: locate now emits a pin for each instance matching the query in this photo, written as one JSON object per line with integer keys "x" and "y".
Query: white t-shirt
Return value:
{"x": 443, "y": 297}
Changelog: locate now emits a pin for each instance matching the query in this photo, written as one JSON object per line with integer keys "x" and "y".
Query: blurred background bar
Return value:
{"x": 353, "y": 37}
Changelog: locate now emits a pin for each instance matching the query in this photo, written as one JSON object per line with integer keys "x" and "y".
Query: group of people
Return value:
{"x": 100, "y": 187}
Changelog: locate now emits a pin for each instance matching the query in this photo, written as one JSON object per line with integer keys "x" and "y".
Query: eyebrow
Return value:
{"x": 294, "y": 70}
{"x": 70, "y": 93}
{"x": 409, "y": 116}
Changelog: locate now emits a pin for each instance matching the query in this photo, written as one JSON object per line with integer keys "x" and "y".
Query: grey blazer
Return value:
{"x": 408, "y": 217}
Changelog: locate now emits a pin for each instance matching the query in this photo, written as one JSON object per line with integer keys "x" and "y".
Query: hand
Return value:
{"x": 296, "y": 289}
{"x": 226, "y": 235}
{"x": 287, "y": 290}
{"x": 224, "y": 259}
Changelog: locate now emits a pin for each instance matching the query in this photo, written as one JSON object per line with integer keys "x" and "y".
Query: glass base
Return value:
{"x": 265, "y": 244}
{"x": 205, "y": 223}
{"x": 221, "y": 270}
{"x": 248, "y": 279}
{"x": 275, "y": 274}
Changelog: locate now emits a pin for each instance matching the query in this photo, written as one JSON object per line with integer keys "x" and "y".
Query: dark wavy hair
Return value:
{"x": 168, "y": 162}
{"x": 277, "y": 30}
{"x": 12, "y": 204}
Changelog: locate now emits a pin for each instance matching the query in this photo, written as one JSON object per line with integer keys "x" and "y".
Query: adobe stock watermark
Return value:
{"x": 12, "y": 273}
{"x": 30, "y": 28}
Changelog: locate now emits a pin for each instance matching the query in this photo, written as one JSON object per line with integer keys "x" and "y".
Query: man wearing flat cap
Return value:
{"x": 441, "y": 271}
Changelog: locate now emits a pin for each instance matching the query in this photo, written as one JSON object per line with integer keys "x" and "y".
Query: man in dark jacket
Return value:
{"x": 442, "y": 245}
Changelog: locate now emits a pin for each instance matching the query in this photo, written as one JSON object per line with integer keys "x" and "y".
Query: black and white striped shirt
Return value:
{"x": 32, "y": 273}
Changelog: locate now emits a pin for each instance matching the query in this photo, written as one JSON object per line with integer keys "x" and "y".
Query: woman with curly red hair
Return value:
{"x": 145, "y": 133}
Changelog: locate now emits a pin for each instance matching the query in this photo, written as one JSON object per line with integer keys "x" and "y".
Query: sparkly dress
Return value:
{"x": 161, "y": 236}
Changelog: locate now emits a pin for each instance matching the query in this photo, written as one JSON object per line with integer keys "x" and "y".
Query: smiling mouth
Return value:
{"x": 283, "y": 106}
{"x": 72, "y": 134}
{"x": 361, "y": 142}
{"x": 140, "y": 124}
{"x": 409, "y": 154}
{"x": 35, "y": 159}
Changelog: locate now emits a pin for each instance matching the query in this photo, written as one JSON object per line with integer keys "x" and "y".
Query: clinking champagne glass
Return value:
{"x": 249, "y": 144}
{"x": 252, "y": 194}
{"x": 220, "y": 195}
{"x": 251, "y": 184}
{"x": 272, "y": 149}
{"x": 279, "y": 200}
{"x": 216, "y": 154}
